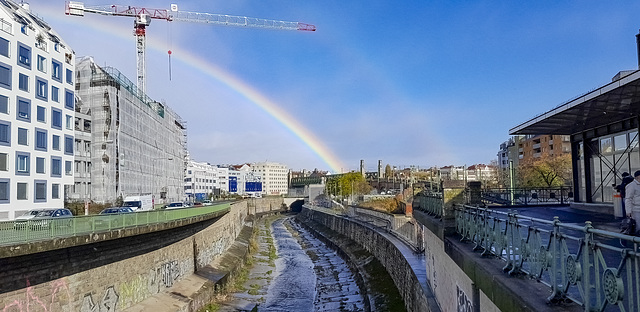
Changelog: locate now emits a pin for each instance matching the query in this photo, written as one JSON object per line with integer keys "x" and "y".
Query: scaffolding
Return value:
{"x": 138, "y": 145}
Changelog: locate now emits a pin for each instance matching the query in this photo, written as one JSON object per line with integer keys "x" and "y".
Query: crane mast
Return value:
{"x": 143, "y": 17}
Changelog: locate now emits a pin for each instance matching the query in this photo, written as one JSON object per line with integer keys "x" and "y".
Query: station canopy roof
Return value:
{"x": 616, "y": 101}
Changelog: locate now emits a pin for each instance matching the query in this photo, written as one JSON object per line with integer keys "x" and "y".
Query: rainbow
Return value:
{"x": 225, "y": 78}
{"x": 257, "y": 98}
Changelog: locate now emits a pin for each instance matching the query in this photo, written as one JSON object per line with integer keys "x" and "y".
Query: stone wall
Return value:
{"x": 115, "y": 274}
{"x": 385, "y": 251}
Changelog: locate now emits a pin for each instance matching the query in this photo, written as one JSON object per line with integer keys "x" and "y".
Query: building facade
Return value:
{"x": 244, "y": 181}
{"x": 37, "y": 106}
{"x": 532, "y": 147}
{"x": 275, "y": 177}
{"x": 200, "y": 181}
{"x": 137, "y": 145}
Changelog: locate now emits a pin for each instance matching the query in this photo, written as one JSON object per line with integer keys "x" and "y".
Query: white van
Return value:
{"x": 139, "y": 203}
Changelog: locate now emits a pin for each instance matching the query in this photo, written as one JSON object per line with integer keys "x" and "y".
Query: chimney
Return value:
{"x": 638, "y": 47}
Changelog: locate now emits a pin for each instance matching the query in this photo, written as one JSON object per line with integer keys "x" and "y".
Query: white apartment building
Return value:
{"x": 275, "y": 177}
{"x": 201, "y": 181}
{"x": 222, "y": 182}
{"x": 37, "y": 106}
{"x": 137, "y": 145}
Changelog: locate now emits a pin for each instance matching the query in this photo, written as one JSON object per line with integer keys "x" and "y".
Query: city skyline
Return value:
{"x": 428, "y": 84}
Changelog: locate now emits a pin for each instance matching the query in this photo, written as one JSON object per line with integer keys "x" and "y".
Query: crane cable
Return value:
{"x": 170, "y": 35}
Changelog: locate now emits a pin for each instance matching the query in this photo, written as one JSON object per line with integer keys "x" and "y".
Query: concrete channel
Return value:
{"x": 293, "y": 270}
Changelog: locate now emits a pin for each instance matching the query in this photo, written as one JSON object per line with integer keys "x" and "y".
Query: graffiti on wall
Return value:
{"x": 59, "y": 292}
{"x": 207, "y": 255}
{"x": 464, "y": 304}
{"x": 170, "y": 273}
{"x": 108, "y": 303}
{"x": 163, "y": 276}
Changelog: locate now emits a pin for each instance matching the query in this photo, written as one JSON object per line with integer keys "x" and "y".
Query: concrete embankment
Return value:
{"x": 171, "y": 267}
{"x": 405, "y": 270}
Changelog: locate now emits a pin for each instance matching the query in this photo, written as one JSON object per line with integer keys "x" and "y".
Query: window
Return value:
{"x": 24, "y": 56}
{"x": 23, "y": 82}
{"x": 40, "y": 191}
{"x": 69, "y": 76}
{"x": 56, "y": 73}
{"x": 41, "y": 114}
{"x": 4, "y": 162}
{"x": 42, "y": 64}
{"x": 68, "y": 145}
{"x": 55, "y": 93}
{"x": 4, "y": 104}
{"x": 4, "y": 191}
{"x": 5, "y": 46}
{"x": 5, "y": 133}
{"x": 22, "y": 163}
{"x": 41, "y": 140}
{"x": 24, "y": 109}
{"x": 42, "y": 87}
{"x": 55, "y": 191}
{"x": 68, "y": 99}
{"x": 23, "y": 136}
{"x": 55, "y": 142}
{"x": 5, "y": 76}
{"x": 56, "y": 118}
{"x": 21, "y": 191}
{"x": 69, "y": 122}
{"x": 40, "y": 165}
{"x": 56, "y": 167}
{"x": 68, "y": 170}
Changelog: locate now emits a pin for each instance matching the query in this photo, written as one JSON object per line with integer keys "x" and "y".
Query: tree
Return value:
{"x": 387, "y": 171}
{"x": 346, "y": 184}
{"x": 546, "y": 171}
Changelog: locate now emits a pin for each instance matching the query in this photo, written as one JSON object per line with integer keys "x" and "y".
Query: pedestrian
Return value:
{"x": 621, "y": 188}
{"x": 632, "y": 197}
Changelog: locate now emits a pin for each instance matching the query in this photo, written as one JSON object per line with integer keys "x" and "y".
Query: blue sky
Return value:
{"x": 406, "y": 82}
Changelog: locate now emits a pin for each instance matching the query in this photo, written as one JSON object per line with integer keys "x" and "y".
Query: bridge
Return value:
{"x": 441, "y": 255}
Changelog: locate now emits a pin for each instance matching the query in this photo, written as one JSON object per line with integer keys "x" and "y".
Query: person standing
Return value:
{"x": 632, "y": 197}
{"x": 621, "y": 188}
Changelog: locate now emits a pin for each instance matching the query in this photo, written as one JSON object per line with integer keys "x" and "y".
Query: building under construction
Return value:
{"x": 138, "y": 145}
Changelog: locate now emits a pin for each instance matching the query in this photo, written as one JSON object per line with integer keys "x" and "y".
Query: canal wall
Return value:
{"x": 410, "y": 287}
{"x": 119, "y": 274}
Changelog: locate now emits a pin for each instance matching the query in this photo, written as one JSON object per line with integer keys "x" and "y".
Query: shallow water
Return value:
{"x": 306, "y": 276}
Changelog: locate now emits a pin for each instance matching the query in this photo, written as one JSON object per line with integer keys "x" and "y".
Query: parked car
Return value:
{"x": 20, "y": 221}
{"x": 175, "y": 205}
{"x": 106, "y": 219}
{"x": 114, "y": 210}
{"x": 45, "y": 218}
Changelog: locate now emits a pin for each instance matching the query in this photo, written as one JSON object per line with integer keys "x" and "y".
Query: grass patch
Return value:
{"x": 253, "y": 290}
{"x": 211, "y": 307}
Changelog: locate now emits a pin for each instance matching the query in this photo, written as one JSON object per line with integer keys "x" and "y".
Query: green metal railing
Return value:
{"x": 19, "y": 232}
{"x": 599, "y": 270}
{"x": 432, "y": 204}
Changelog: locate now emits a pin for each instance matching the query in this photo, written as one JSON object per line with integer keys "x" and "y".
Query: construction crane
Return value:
{"x": 143, "y": 17}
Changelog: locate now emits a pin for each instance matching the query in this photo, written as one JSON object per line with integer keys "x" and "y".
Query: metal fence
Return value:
{"x": 19, "y": 232}
{"x": 432, "y": 204}
{"x": 599, "y": 270}
{"x": 527, "y": 196}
